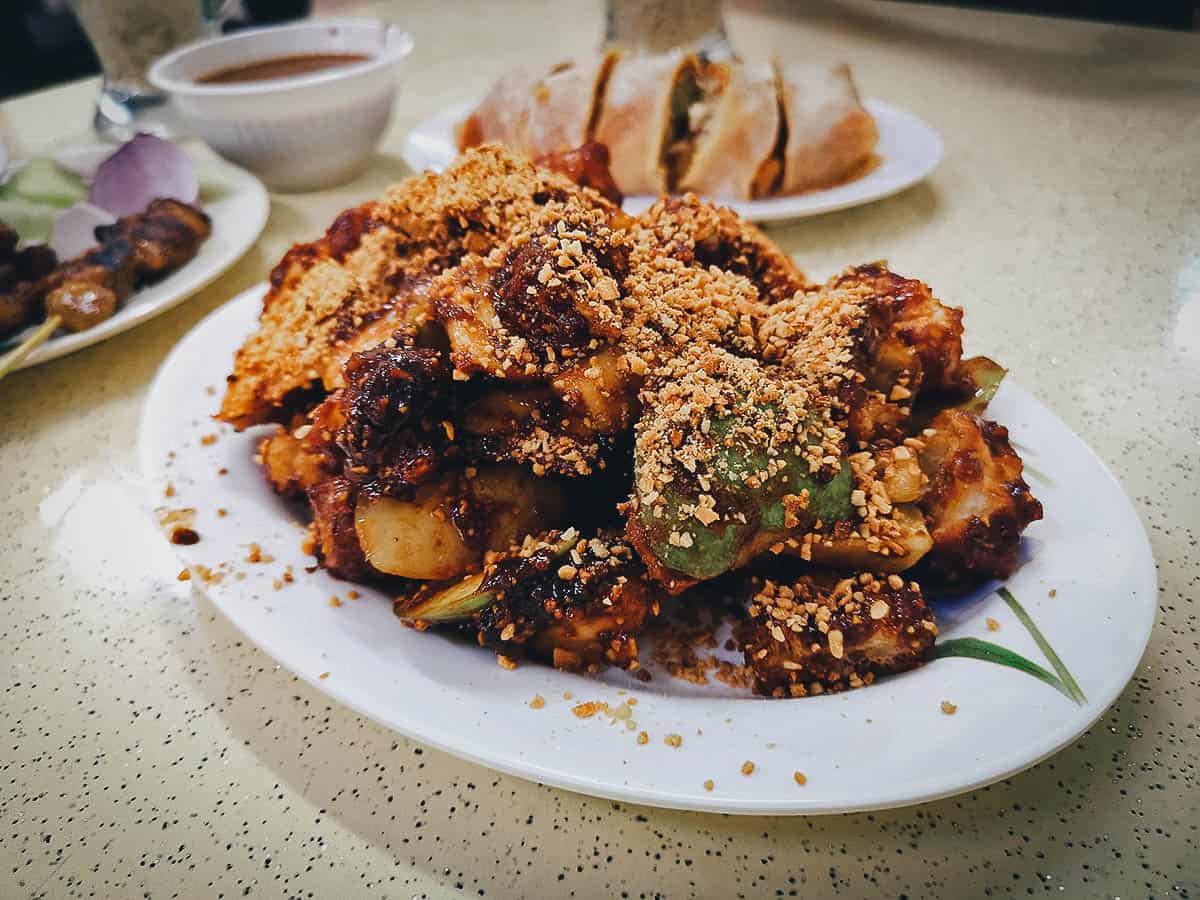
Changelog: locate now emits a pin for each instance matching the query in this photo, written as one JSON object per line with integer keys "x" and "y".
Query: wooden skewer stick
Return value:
{"x": 31, "y": 343}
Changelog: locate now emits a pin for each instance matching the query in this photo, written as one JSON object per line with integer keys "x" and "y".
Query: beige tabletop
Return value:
{"x": 149, "y": 750}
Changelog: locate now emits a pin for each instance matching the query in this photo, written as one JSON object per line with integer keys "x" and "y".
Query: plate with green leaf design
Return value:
{"x": 1020, "y": 669}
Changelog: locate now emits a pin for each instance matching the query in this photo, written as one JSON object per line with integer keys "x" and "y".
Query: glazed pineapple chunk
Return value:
{"x": 817, "y": 634}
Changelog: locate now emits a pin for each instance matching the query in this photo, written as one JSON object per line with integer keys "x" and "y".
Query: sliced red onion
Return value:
{"x": 74, "y": 231}
{"x": 144, "y": 169}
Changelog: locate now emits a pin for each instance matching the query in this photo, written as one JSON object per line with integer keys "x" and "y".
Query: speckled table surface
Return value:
{"x": 149, "y": 750}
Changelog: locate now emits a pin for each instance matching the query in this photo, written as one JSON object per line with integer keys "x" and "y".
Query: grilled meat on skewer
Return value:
{"x": 164, "y": 237}
{"x": 88, "y": 289}
{"x": 20, "y": 271}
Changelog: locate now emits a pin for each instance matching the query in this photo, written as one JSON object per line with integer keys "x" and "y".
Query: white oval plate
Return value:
{"x": 909, "y": 150}
{"x": 882, "y": 746}
{"x": 238, "y": 205}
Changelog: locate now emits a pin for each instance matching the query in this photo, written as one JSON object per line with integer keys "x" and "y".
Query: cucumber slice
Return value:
{"x": 727, "y": 544}
{"x": 31, "y": 221}
{"x": 41, "y": 181}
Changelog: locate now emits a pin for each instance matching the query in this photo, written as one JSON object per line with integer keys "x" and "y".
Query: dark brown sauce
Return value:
{"x": 184, "y": 535}
{"x": 280, "y": 67}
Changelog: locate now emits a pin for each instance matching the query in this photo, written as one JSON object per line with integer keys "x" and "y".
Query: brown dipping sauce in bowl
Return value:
{"x": 280, "y": 67}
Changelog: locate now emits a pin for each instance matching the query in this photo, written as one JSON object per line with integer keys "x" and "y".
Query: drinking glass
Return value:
{"x": 128, "y": 35}
{"x": 654, "y": 26}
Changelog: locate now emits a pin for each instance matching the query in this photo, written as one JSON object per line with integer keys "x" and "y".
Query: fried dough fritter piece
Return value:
{"x": 703, "y": 235}
{"x": 544, "y": 298}
{"x": 917, "y": 335}
{"x": 977, "y": 503}
{"x": 894, "y": 339}
{"x": 394, "y": 406}
{"x": 304, "y": 454}
{"x": 323, "y": 292}
{"x": 815, "y": 635}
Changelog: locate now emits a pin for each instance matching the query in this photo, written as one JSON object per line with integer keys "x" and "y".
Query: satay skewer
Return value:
{"x": 15, "y": 357}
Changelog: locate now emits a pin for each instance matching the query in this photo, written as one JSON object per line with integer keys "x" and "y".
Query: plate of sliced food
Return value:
{"x": 97, "y": 239}
{"x": 632, "y": 506}
{"x": 771, "y": 140}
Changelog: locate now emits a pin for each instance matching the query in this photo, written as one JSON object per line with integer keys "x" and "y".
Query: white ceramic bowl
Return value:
{"x": 298, "y": 133}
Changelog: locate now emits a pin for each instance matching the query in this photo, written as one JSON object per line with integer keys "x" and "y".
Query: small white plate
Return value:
{"x": 885, "y": 745}
{"x": 908, "y": 149}
{"x": 238, "y": 205}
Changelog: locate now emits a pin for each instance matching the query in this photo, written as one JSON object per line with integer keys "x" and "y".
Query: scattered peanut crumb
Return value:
{"x": 567, "y": 695}
{"x": 334, "y": 601}
{"x": 324, "y": 675}
{"x": 800, "y": 778}
{"x": 169, "y": 491}
{"x": 586, "y": 710}
{"x": 538, "y": 702}
{"x": 208, "y": 440}
{"x": 1053, "y": 592}
{"x": 674, "y": 740}
{"x": 353, "y": 595}
{"x": 949, "y": 708}
{"x": 185, "y": 575}
{"x": 222, "y": 512}
{"x": 708, "y": 785}
{"x": 747, "y": 768}
{"x": 222, "y": 471}
{"x": 992, "y": 624}
{"x": 256, "y": 555}
{"x": 506, "y": 662}
{"x": 643, "y": 738}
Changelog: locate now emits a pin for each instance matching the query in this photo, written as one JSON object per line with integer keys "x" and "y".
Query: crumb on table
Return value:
{"x": 800, "y": 778}
{"x": 537, "y": 702}
{"x": 949, "y": 708}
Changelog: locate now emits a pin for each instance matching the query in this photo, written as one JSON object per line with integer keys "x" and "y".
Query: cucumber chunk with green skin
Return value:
{"x": 727, "y": 544}
{"x": 984, "y": 375}
{"x": 41, "y": 181}
{"x": 828, "y": 501}
{"x": 32, "y": 222}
